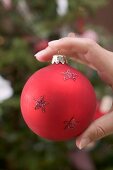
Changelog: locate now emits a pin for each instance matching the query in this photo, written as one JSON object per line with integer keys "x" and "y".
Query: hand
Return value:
{"x": 90, "y": 53}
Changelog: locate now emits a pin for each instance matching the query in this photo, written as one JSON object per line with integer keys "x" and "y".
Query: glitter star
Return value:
{"x": 71, "y": 124}
{"x": 41, "y": 104}
{"x": 69, "y": 75}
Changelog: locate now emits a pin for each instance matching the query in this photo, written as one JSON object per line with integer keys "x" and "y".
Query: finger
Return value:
{"x": 78, "y": 59}
{"x": 81, "y": 59}
{"x": 78, "y": 45}
{"x": 68, "y": 45}
{"x": 98, "y": 129}
{"x": 46, "y": 54}
{"x": 72, "y": 34}
{"x": 88, "y": 50}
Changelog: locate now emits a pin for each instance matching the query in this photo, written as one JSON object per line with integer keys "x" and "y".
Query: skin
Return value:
{"x": 88, "y": 52}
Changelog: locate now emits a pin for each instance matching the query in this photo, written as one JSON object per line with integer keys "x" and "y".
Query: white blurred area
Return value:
{"x": 62, "y": 7}
{"x": 6, "y": 91}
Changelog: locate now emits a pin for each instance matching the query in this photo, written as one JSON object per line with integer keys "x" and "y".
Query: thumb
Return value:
{"x": 98, "y": 129}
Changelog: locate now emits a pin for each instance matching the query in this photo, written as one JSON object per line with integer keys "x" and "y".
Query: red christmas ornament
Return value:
{"x": 58, "y": 102}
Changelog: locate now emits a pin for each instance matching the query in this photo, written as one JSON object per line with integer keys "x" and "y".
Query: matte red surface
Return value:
{"x": 70, "y": 104}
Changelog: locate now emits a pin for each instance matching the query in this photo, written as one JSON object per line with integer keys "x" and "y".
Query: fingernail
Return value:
{"x": 40, "y": 54}
{"x": 84, "y": 142}
{"x": 53, "y": 42}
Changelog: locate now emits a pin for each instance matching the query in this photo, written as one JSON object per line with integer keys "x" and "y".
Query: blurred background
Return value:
{"x": 25, "y": 28}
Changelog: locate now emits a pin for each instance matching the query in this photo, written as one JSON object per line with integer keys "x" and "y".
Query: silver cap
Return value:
{"x": 59, "y": 59}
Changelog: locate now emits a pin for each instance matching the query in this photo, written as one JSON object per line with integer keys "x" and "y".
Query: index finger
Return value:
{"x": 67, "y": 46}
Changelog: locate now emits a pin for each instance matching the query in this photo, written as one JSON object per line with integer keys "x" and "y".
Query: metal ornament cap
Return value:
{"x": 59, "y": 59}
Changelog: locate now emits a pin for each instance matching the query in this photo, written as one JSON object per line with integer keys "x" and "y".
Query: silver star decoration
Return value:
{"x": 71, "y": 124}
{"x": 41, "y": 104}
{"x": 69, "y": 75}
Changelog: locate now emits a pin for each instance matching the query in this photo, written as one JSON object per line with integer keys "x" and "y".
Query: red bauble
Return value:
{"x": 58, "y": 102}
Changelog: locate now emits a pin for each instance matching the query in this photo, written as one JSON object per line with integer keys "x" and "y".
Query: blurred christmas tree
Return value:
{"x": 25, "y": 28}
